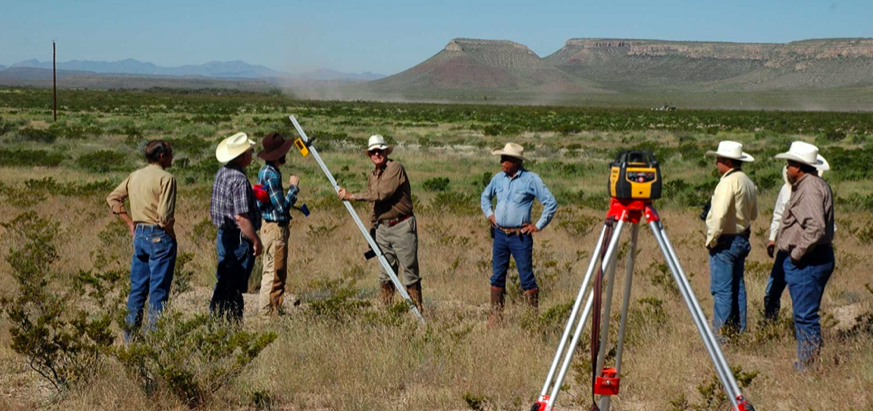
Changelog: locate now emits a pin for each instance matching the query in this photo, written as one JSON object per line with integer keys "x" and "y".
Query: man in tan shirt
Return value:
{"x": 807, "y": 235}
{"x": 152, "y": 193}
{"x": 396, "y": 231}
{"x": 734, "y": 206}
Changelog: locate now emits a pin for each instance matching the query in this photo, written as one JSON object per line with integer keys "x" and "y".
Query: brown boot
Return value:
{"x": 387, "y": 294}
{"x": 415, "y": 294}
{"x": 532, "y": 298}
{"x": 498, "y": 298}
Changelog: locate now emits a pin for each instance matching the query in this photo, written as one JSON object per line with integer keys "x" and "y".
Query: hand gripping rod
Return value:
{"x": 400, "y": 288}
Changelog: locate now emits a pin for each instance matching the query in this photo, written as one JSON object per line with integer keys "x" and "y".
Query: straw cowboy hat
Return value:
{"x": 275, "y": 147}
{"x": 731, "y": 150}
{"x": 232, "y": 147}
{"x": 511, "y": 150}
{"x": 377, "y": 142}
{"x": 805, "y": 153}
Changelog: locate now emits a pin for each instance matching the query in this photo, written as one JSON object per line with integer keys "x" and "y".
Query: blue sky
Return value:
{"x": 389, "y": 36}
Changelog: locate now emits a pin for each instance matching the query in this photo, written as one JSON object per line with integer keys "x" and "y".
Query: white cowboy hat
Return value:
{"x": 731, "y": 150}
{"x": 805, "y": 153}
{"x": 232, "y": 147}
{"x": 511, "y": 150}
{"x": 377, "y": 142}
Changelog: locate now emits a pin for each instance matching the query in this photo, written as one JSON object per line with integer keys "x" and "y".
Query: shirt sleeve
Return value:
{"x": 117, "y": 196}
{"x": 392, "y": 178}
{"x": 485, "y": 199}
{"x": 810, "y": 215}
{"x": 167, "y": 203}
{"x": 550, "y": 205}
{"x": 721, "y": 203}
{"x": 240, "y": 198}
{"x": 281, "y": 202}
{"x": 778, "y": 209}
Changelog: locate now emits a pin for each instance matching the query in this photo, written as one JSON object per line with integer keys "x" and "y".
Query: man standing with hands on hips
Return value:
{"x": 391, "y": 217}
{"x": 515, "y": 189}
{"x": 234, "y": 211}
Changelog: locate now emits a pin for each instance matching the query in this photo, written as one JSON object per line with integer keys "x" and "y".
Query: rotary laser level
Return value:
{"x": 635, "y": 175}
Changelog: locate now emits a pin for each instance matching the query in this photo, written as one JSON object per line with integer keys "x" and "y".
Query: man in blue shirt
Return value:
{"x": 515, "y": 189}
{"x": 276, "y": 213}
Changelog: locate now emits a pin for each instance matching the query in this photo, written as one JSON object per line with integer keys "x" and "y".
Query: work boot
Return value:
{"x": 498, "y": 298}
{"x": 415, "y": 294}
{"x": 387, "y": 293}
{"x": 532, "y": 298}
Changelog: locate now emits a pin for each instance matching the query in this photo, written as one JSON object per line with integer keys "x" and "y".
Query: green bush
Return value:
{"x": 30, "y": 158}
{"x": 37, "y": 135}
{"x": 436, "y": 184}
{"x": 192, "y": 358}
{"x": 103, "y": 161}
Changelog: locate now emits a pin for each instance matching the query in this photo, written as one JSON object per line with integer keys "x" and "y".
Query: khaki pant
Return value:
{"x": 275, "y": 240}
{"x": 400, "y": 246}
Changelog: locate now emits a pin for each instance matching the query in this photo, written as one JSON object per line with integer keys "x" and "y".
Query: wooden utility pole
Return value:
{"x": 54, "y": 81}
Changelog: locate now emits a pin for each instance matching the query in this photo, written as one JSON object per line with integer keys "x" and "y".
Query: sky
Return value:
{"x": 387, "y": 37}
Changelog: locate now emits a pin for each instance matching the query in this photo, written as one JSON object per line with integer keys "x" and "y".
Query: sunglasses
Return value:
{"x": 377, "y": 151}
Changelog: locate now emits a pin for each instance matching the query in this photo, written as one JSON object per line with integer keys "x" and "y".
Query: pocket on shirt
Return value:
{"x": 519, "y": 196}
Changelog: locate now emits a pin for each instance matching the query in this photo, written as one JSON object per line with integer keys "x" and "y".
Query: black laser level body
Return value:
{"x": 635, "y": 175}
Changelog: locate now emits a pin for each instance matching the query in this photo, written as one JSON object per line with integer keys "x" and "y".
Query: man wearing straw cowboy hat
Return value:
{"x": 776, "y": 281}
{"x": 734, "y": 206}
{"x": 277, "y": 214}
{"x": 806, "y": 235}
{"x": 396, "y": 230}
{"x": 234, "y": 211}
{"x": 515, "y": 189}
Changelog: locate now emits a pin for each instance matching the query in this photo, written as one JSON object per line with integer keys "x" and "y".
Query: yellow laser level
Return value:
{"x": 302, "y": 147}
{"x": 635, "y": 175}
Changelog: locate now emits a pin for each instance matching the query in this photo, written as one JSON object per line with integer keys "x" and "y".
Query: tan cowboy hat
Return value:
{"x": 377, "y": 142}
{"x": 731, "y": 150}
{"x": 805, "y": 153}
{"x": 511, "y": 150}
{"x": 232, "y": 147}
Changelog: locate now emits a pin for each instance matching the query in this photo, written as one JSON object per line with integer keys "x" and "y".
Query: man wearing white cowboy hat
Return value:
{"x": 234, "y": 211}
{"x": 806, "y": 236}
{"x": 734, "y": 206}
{"x": 776, "y": 282}
{"x": 515, "y": 189}
{"x": 391, "y": 219}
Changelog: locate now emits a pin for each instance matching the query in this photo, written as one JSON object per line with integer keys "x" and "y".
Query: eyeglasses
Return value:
{"x": 377, "y": 151}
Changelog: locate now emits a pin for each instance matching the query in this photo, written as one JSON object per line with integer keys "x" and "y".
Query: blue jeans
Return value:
{"x": 775, "y": 287}
{"x": 806, "y": 282}
{"x": 235, "y": 263}
{"x": 520, "y": 247}
{"x": 728, "y": 287}
{"x": 151, "y": 274}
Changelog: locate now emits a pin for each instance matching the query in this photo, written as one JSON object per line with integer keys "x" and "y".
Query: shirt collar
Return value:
{"x": 799, "y": 180}
{"x": 731, "y": 171}
{"x": 233, "y": 166}
{"x": 517, "y": 173}
{"x": 379, "y": 170}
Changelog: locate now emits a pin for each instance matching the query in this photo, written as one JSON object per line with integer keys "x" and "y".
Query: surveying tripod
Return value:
{"x": 304, "y": 144}
{"x": 638, "y": 177}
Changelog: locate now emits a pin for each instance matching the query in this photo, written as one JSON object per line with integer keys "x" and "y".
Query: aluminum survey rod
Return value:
{"x": 370, "y": 240}
{"x": 699, "y": 321}
{"x": 625, "y": 304}
{"x": 611, "y": 251}
{"x": 575, "y": 312}
{"x": 687, "y": 285}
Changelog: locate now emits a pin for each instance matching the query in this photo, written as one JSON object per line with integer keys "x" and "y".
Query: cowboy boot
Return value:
{"x": 387, "y": 293}
{"x": 415, "y": 294}
{"x": 532, "y": 298}
{"x": 498, "y": 298}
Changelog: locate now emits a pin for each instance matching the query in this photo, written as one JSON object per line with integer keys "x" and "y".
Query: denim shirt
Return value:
{"x": 515, "y": 197}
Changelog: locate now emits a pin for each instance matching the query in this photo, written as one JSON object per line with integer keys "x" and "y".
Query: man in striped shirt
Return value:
{"x": 276, "y": 213}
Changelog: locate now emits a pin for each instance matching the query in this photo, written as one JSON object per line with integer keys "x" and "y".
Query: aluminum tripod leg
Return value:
{"x": 631, "y": 258}
{"x": 400, "y": 288}
{"x": 706, "y": 334}
{"x": 608, "y": 259}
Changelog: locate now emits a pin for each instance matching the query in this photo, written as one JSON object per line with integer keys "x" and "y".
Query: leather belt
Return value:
{"x": 391, "y": 222}
{"x": 512, "y": 230}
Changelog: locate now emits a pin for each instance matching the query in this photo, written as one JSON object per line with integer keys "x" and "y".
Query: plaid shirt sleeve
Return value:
{"x": 281, "y": 203}
{"x": 239, "y": 194}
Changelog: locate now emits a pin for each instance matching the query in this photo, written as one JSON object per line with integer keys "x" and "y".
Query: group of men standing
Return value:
{"x": 802, "y": 230}
{"x": 250, "y": 225}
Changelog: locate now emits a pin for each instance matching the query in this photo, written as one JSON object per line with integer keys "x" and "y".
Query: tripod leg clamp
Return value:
{"x": 608, "y": 383}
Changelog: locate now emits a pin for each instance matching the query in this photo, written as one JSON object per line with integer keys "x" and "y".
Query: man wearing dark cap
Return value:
{"x": 276, "y": 213}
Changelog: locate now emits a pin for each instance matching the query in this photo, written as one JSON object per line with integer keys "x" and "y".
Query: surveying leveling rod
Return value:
{"x": 305, "y": 148}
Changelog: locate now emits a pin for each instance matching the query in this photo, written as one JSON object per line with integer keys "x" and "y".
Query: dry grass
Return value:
{"x": 364, "y": 363}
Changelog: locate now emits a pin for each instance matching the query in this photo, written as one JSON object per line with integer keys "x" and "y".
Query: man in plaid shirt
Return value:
{"x": 235, "y": 212}
{"x": 276, "y": 212}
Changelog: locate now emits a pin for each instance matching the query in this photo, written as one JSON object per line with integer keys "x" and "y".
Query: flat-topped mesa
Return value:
{"x": 464, "y": 44}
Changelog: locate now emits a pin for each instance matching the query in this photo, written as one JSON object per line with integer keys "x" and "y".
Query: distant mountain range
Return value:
{"x": 212, "y": 69}
{"x": 633, "y": 66}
